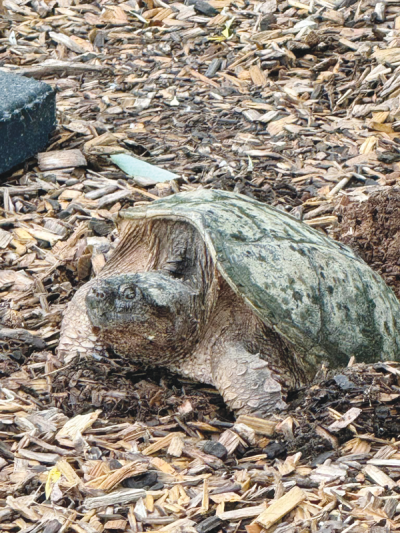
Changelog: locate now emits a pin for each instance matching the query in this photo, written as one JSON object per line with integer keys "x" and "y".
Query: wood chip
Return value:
{"x": 61, "y": 159}
{"x": 346, "y": 419}
{"x": 293, "y": 103}
{"x": 122, "y": 497}
{"x": 260, "y": 426}
{"x": 281, "y": 507}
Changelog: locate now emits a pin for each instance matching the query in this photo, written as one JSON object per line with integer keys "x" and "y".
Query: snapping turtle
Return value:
{"x": 232, "y": 292}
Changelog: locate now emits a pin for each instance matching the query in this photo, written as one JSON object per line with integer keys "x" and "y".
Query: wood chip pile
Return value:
{"x": 288, "y": 101}
{"x": 185, "y": 472}
{"x": 294, "y": 103}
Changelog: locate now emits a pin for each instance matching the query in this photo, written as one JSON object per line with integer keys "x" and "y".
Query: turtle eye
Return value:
{"x": 129, "y": 293}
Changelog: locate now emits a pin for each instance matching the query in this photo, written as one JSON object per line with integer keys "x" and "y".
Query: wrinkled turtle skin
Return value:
{"x": 235, "y": 293}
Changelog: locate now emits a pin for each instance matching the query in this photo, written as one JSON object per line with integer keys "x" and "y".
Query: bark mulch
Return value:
{"x": 162, "y": 454}
{"x": 296, "y": 104}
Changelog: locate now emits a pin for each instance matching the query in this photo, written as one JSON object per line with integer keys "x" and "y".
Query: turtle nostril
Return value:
{"x": 98, "y": 294}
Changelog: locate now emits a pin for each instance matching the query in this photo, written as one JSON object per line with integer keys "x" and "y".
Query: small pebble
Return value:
{"x": 205, "y": 8}
{"x": 321, "y": 458}
{"x": 114, "y": 464}
{"x": 274, "y": 449}
{"x": 215, "y": 448}
{"x": 148, "y": 479}
{"x": 95, "y": 454}
{"x": 343, "y": 382}
{"x": 209, "y": 524}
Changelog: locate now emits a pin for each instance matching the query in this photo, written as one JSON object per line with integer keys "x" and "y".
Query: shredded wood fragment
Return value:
{"x": 296, "y": 104}
{"x": 281, "y": 507}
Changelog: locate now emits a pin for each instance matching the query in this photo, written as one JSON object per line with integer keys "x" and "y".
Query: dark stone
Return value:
{"x": 389, "y": 157}
{"x": 54, "y": 204}
{"x": 101, "y": 227}
{"x": 213, "y": 67}
{"x": 62, "y": 215}
{"x": 148, "y": 479}
{"x": 267, "y": 21}
{"x": 205, "y": 8}
{"x": 95, "y": 453}
{"x": 321, "y": 458}
{"x": 114, "y": 464}
{"x": 343, "y": 382}
{"x": 17, "y": 355}
{"x": 215, "y": 448}
{"x": 306, "y": 483}
{"x": 209, "y": 524}
{"x": 27, "y": 117}
{"x": 274, "y": 449}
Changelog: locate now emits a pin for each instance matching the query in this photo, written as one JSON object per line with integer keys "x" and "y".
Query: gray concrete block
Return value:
{"x": 27, "y": 117}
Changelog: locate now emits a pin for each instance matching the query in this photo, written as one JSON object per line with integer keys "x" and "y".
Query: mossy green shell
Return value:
{"x": 314, "y": 291}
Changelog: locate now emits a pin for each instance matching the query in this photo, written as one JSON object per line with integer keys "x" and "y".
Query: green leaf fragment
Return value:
{"x": 143, "y": 173}
{"x": 227, "y": 31}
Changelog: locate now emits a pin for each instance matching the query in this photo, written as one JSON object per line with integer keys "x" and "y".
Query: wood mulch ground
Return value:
{"x": 296, "y": 104}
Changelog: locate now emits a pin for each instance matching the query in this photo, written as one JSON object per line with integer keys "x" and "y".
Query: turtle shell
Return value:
{"x": 315, "y": 292}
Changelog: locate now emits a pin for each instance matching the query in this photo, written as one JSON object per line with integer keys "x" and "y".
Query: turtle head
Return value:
{"x": 139, "y": 310}
{"x": 136, "y": 299}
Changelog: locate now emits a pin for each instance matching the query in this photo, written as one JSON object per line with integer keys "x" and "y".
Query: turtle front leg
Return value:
{"x": 77, "y": 336}
{"x": 245, "y": 381}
